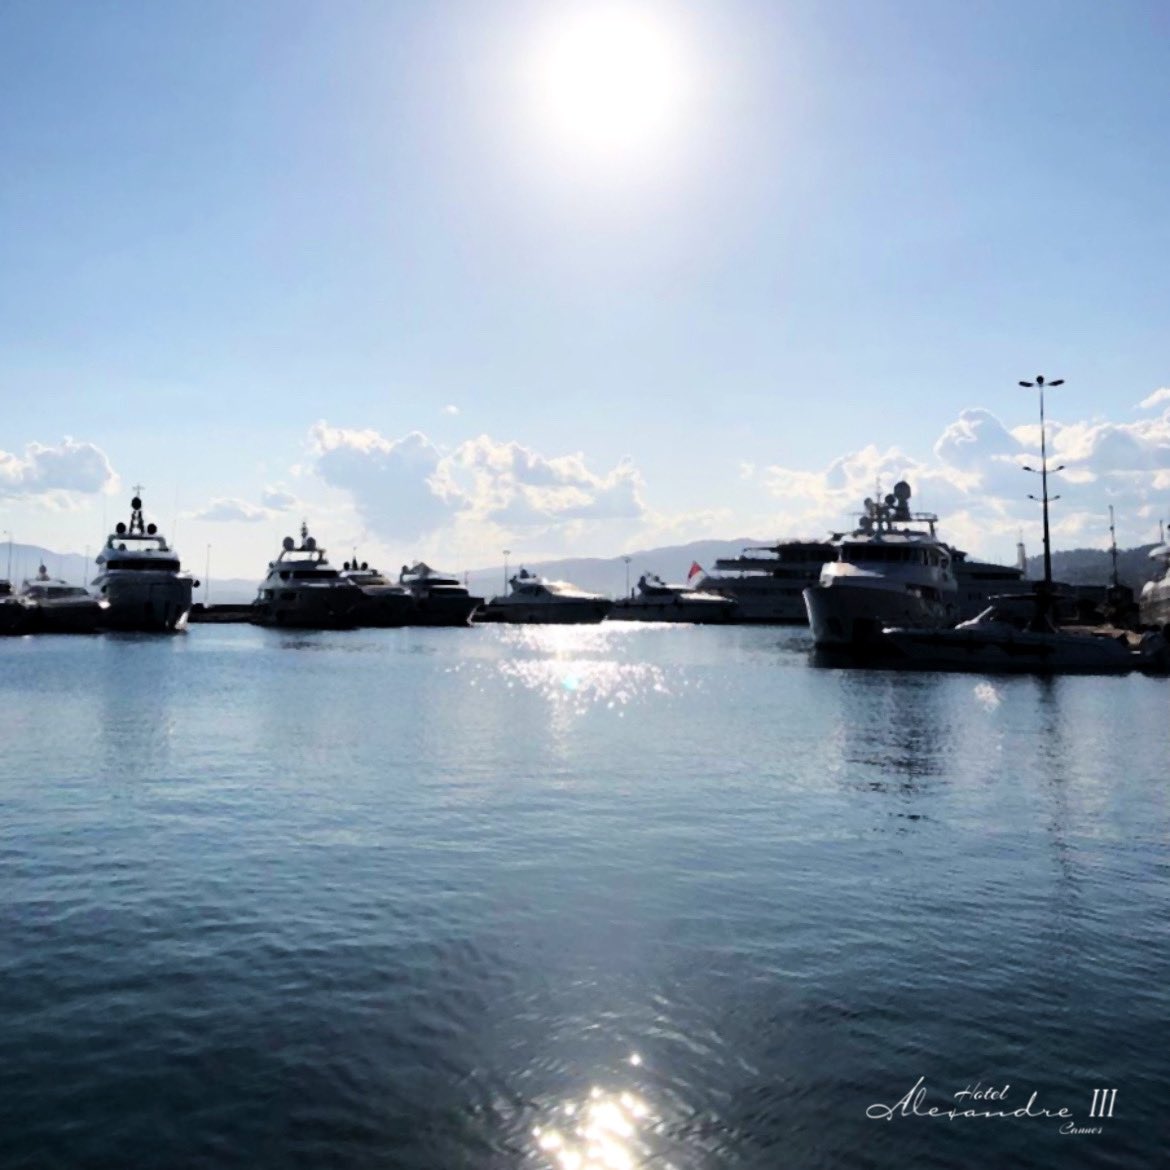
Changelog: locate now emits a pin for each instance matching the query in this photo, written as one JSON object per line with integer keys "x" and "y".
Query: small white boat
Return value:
{"x": 141, "y": 579}
{"x": 1018, "y": 634}
{"x": 56, "y": 607}
{"x": 656, "y": 601}
{"x": 533, "y": 599}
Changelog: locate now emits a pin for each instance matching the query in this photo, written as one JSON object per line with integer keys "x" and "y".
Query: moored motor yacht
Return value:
{"x": 13, "y": 612}
{"x": 893, "y": 570}
{"x": 1154, "y": 604}
{"x": 303, "y": 591}
{"x": 439, "y": 598}
{"x": 533, "y": 599}
{"x": 656, "y": 601}
{"x": 56, "y": 607}
{"x": 384, "y": 603}
{"x": 1019, "y": 633}
{"x": 141, "y": 579}
{"x": 767, "y": 582}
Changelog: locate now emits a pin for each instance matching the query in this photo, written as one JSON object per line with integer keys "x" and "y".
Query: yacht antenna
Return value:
{"x": 1113, "y": 545}
{"x": 136, "y": 524}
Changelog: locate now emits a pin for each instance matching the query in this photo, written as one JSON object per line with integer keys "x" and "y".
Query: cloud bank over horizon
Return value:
{"x": 485, "y": 494}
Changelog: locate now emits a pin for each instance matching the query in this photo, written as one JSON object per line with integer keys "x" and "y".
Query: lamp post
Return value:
{"x": 627, "y": 560}
{"x": 1040, "y": 384}
{"x": 507, "y": 553}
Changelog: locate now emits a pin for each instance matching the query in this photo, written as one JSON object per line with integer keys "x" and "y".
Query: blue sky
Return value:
{"x": 292, "y": 259}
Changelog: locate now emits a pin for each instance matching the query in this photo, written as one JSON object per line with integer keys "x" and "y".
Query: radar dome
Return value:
{"x": 288, "y": 544}
{"x": 151, "y": 529}
{"x": 902, "y": 490}
{"x": 891, "y": 499}
{"x": 120, "y": 528}
{"x": 310, "y": 543}
{"x": 136, "y": 503}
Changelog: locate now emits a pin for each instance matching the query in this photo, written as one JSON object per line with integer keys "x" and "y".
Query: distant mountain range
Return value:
{"x": 1080, "y": 566}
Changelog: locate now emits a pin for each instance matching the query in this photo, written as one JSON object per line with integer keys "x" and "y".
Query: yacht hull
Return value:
{"x": 310, "y": 608}
{"x": 141, "y": 601}
{"x": 717, "y": 611}
{"x": 385, "y": 610}
{"x": 762, "y": 601}
{"x": 14, "y": 617}
{"x": 852, "y": 615}
{"x": 1023, "y": 651}
{"x": 559, "y": 613}
{"x": 450, "y": 610}
{"x": 67, "y": 616}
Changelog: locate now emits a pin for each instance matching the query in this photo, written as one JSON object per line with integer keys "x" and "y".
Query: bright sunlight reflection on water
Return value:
{"x": 606, "y": 1131}
{"x": 578, "y": 668}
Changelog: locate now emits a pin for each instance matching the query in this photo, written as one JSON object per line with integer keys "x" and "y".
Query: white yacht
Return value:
{"x": 439, "y": 598}
{"x": 56, "y": 607}
{"x": 768, "y": 581}
{"x": 383, "y": 603}
{"x": 1154, "y": 604}
{"x": 139, "y": 575}
{"x": 656, "y": 601}
{"x": 533, "y": 599}
{"x": 302, "y": 590}
{"x": 892, "y": 571}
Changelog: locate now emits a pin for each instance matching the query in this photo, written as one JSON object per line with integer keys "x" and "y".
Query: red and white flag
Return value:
{"x": 695, "y": 568}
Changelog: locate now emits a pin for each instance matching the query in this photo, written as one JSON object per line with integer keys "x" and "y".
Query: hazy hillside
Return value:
{"x": 1094, "y": 566}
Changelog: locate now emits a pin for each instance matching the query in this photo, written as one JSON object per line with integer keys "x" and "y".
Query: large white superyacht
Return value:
{"x": 140, "y": 576}
{"x": 893, "y": 570}
{"x": 767, "y": 582}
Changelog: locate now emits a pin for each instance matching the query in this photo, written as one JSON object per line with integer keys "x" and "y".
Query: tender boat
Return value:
{"x": 383, "y": 603}
{"x": 303, "y": 591}
{"x": 141, "y": 579}
{"x": 439, "y": 598}
{"x": 767, "y": 582}
{"x": 656, "y": 601}
{"x": 533, "y": 599}
{"x": 887, "y": 573}
{"x": 1154, "y": 604}
{"x": 1019, "y": 633}
{"x": 56, "y": 607}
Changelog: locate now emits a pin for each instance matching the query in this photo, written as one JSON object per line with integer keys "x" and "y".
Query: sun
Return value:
{"x": 608, "y": 79}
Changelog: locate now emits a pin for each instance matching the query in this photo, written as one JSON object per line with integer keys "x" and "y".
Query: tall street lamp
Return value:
{"x": 507, "y": 553}
{"x": 1040, "y": 383}
{"x": 627, "y": 560}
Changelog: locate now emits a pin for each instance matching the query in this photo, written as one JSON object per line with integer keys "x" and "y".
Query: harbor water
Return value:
{"x": 612, "y": 896}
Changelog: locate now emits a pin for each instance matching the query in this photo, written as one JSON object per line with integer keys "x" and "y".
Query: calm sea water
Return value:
{"x": 608, "y": 896}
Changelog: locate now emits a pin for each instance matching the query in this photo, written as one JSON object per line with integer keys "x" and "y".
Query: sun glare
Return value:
{"x": 608, "y": 79}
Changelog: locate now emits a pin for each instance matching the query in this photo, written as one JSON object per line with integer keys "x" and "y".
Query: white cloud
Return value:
{"x": 232, "y": 511}
{"x": 407, "y": 488}
{"x": 69, "y": 467}
{"x": 975, "y": 483}
{"x": 1155, "y": 399}
{"x": 277, "y": 499}
{"x": 450, "y": 409}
